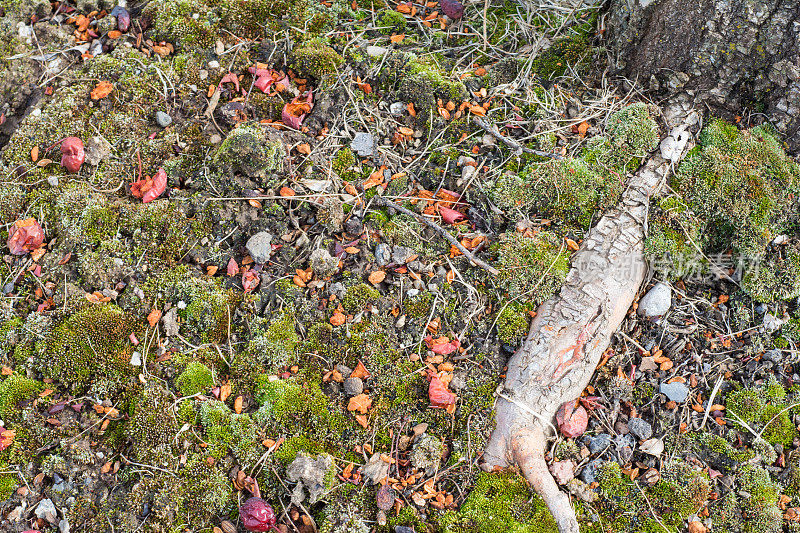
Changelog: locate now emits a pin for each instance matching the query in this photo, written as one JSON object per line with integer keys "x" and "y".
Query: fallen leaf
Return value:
{"x": 451, "y": 216}
{"x": 287, "y": 192}
{"x": 230, "y": 77}
{"x": 72, "y": 154}
{"x": 397, "y": 38}
{"x": 233, "y": 267}
{"x": 35, "y": 154}
{"x": 6, "y": 438}
{"x": 304, "y": 148}
{"x": 374, "y": 179}
{"x": 360, "y": 371}
{"x": 295, "y": 111}
{"x": 153, "y": 317}
{"x": 101, "y": 90}
{"x": 238, "y": 404}
{"x": 250, "y": 280}
{"x": 438, "y": 394}
{"x": 25, "y": 235}
{"x": 337, "y": 319}
{"x": 359, "y": 403}
{"x": 377, "y": 276}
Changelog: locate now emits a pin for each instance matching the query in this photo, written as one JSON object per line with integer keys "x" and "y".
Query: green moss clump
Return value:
{"x": 89, "y": 346}
{"x": 316, "y": 59}
{"x": 513, "y": 322}
{"x": 13, "y": 390}
{"x": 196, "y": 379}
{"x": 344, "y": 163}
{"x": 418, "y": 306}
{"x": 391, "y": 21}
{"x": 744, "y": 189}
{"x": 763, "y": 409}
{"x": 566, "y": 52}
{"x": 631, "y": 134}
{"x": 153, "y": 426}
{"x": 499, "y": 503}
{"x": 357, "y": 297}
{"x": 249, "y": 150}
{"x": 421, "y": 81}
{"x": 532, "y": 268}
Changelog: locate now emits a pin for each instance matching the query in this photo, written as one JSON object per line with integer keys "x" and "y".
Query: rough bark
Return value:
{"x": 572, "y": 330}
{"x": 733, "y": 55}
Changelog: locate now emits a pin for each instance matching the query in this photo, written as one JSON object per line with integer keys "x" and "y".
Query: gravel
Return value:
{"x": 163, "y": 119}
{"x": 677, "y": 392}
{"x": 353, "y": 386}
{"x": 641, "y": 429}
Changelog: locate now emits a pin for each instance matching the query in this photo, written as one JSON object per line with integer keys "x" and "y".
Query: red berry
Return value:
{"x": 452, "y": 8}
{"x": 72, "y": 154}
{"x": 257, "y": 515}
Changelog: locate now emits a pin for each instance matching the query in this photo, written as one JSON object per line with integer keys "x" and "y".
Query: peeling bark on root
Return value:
{"x": 572, "y": 330}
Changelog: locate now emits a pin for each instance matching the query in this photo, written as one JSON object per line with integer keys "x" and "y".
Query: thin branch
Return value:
{"x": 511, "y": 143}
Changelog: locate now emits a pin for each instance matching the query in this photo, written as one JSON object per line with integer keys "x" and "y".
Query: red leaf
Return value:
{"x": 230, "y": 77}
{"x": 148, "y": 189}
{"x": 572, "y": 422}
{"x": 266, "y": 77}
{"x": 158, "y": 188}
{"x": 72, "y": 154}
{"x": 438, "y": 394}
{"x": 451, "y": 216}
{"x": 250, "y": 280}
{"x": 295, "y": 111}
{"x": 6, "y": 438}
{"x": 25, "y": 236}
{"x": 233, "y": 267}
{"x": 442, "y": 348}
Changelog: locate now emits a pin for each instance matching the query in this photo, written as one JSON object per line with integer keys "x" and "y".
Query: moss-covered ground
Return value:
{"x": 157, "y": 360}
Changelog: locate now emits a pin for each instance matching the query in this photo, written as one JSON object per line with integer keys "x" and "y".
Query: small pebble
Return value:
{"x": 383, "y": 254}
{"x": 363, "y": 144}
{"x": 397, "y": 108}
{"x": 52, "y": 181}
{"x": 641, "y": 429}
{"x": 676, "y": 392}
{"x": 353, "y": 386}
{"x": 136, "y": 359}
{"x": 259, "y": 246}
{"x": 599, "y": 443}
{"x": 163, "y": 119}
{"x": 656, "y": 302}
{"x": 213, "y": 64}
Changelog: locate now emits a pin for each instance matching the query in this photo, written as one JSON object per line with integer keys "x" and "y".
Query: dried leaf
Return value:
{"x": 360, "y": 403}
{"x": 101, "y": 90}
{"x": 295, "y": 111}
{"x": 233, "y": 267}
{"x": 375, "y": 179}
{"x": 286, "y": 192}
{"x": 438, "y": 394}
{"x": 35, "y": 154}
{"x": 238, "y": 404}
{"x": 450, "y": 216}
{"x": 397, "y": 38}
{"x": 360, "y": 371}
{"x": 377, "y": 276}
{"x": 153, "y": 317}
{"x": 25, "y": 236}
{"x": 6, "y": 438}
{"x": 304, "y": 148}
{"x": 337, "y": 319}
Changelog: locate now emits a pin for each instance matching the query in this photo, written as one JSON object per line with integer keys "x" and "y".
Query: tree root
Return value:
{"x": 572, "y": 330}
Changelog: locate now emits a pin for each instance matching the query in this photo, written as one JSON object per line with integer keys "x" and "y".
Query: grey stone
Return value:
{"x": 136, "y": 359}
{"x": 401, "y": 255}
{"x": 677, "y": 392}
{"x": 599, "y": 443}
{"x": 163, "y": 119}
{"x": 403, "y": 529}
{"x": 376, "y": 51}
{"x": 47, "y": 511}
{"x": 97, "y": 149}
{"x": 363, "y": 144}
{"x": 323, "y": 263}
{"x": 170, "y": 321}
{"x": 310, "y": 473}
{"x": 641, "y": 429}
{"x": 63, "y": 525}
{"x": 656, "y": 302}
{"x": 52, "y": 181}
{"x": 397, "y": 108}
{"x": 383, "y": 254}
{"x": 353, "y": 386}
{"x": 427, "y": 454}
{"x": 589, "y": 472}
{"x": 259, "y": 246}
{"x": 344, "y": 370}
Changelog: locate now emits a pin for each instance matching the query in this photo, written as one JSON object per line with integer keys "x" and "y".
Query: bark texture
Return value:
{"x": 572, "y": 330}
{"x": 734, "y": 55}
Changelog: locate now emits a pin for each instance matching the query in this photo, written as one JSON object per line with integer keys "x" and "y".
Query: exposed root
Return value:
{"x": 572, "y": 330}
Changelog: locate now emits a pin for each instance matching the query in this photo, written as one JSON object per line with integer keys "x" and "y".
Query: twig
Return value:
{"x": 711, "y": 402}
{"x": 441, "y": 231}
{"x": 511, "y": 143}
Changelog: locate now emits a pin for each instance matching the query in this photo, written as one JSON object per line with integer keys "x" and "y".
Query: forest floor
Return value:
{"x": 207, "y": 294}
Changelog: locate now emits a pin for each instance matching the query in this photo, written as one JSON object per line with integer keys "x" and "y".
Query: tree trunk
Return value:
{"x": 737, "y": 56}
{"x": 572, "y": 330}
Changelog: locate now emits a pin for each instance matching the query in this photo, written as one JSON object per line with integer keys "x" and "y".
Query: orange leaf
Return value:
{"x": 114, "y": 34}
{"x": 362, "y": 420}
{"x": 360, "y": 371}
{"x": 337, "y": 319}
{"x": 211, "y": 270}
{"x": 153, "y": 317}
{"x": 377, "y": 276}
{"x": 397, "y": 38}
{"x": 287, "y": 192}
{"x": 101, "y": 90}
{"x": 35, "y": 154}
{"x": 304, "y": 148}
{"x": 360, "y": 403}
{"x": 376, "y": 178}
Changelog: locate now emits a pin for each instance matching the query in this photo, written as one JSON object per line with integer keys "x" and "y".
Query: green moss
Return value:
{"x": 391, "y": 21}
{"x": 418, "y": 306}
{"x": 249, "y": 150}
{"x": 513, "y": 321}
{"x": 532, "y": 268}
{"x": 91, "y": 345}
{"x": 357, "y": 297}
{"x": 196, "y": 379}
{"x": 631, "y": 134}
{"x": 316, "y": 59}
{"x": 499, "y": 503}
{"x": 765, "y": 410}
{"x": 344, "y": 163}
{"x": 564, "y": 53}
{"x": 744, "y": 189}
{"x": 13, "y": 390}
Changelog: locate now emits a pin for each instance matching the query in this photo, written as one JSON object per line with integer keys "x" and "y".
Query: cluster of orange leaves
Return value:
{"x": 359, "y": 404}
{"x": 427, "y": 16}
